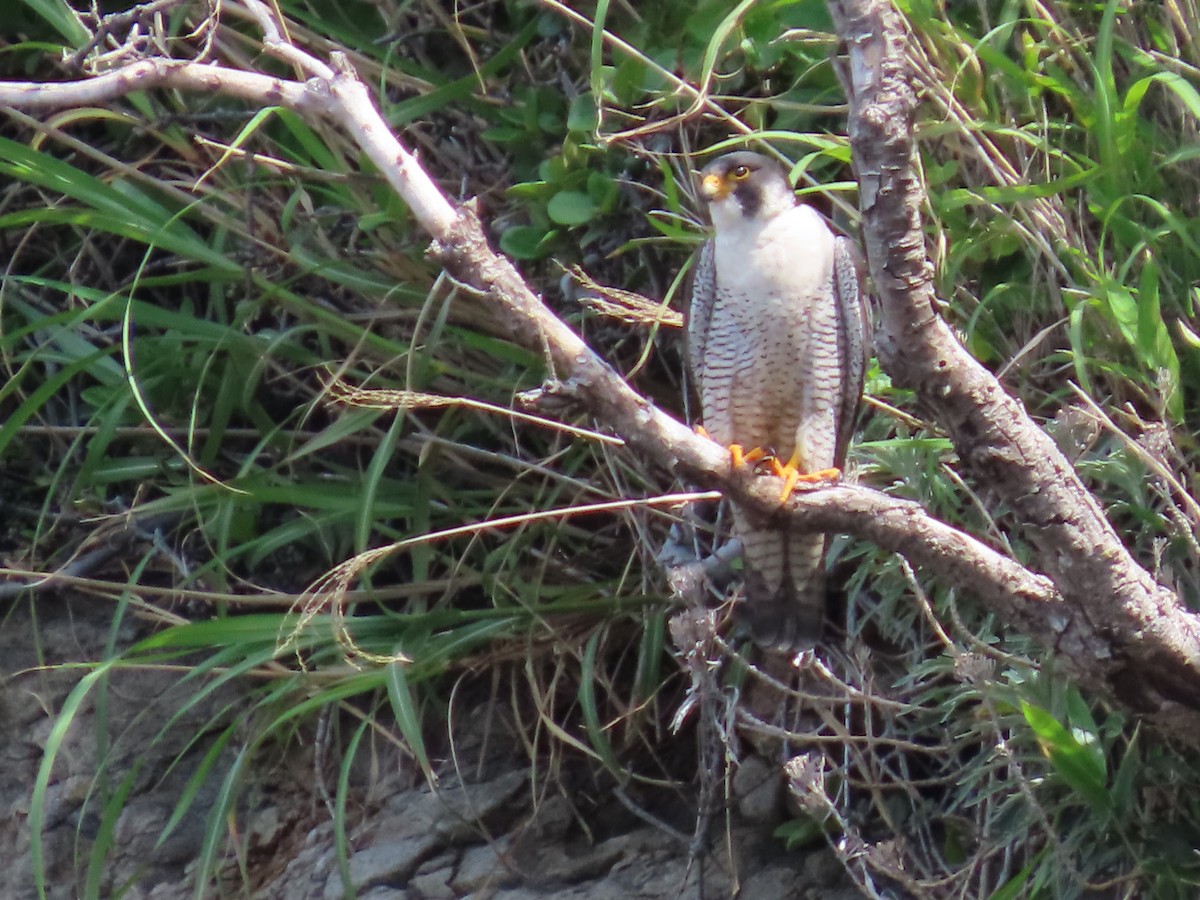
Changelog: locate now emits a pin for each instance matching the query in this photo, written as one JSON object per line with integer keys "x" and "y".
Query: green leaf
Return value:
{"x": 505, "y": 134}
{"x": 603, "y": 190}
{"x": 1015, "y": 887}
{"x": 526, "y": 241}
{"x": 1085, "y": 730}
{"x": 62, "y": 18}
{"x": 583, "y": 115}
{"x": 408, "y": 716}
{"x": 1075, "y": 761}
{"x": 529, "y": 190}
{"x": 1124, "y": 782}
{"x": 1123, "y": 308}
{"x": 799, "y": 833}
{"x": 1190, "y": 337}
{"x": 1150, "y": 325}
{"x": 591, "y": 714}
{"x": 571, "y": 208}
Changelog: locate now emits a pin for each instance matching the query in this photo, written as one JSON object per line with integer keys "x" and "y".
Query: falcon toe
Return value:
{"x": 792, "y": 476}
{"x": 739, "y": 457}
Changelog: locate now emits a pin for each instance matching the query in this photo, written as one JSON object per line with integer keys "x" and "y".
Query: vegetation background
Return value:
{"x": 192, "y": 291}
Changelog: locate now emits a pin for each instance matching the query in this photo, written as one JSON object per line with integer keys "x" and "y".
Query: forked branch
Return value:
{"x": 1142, "y": 642}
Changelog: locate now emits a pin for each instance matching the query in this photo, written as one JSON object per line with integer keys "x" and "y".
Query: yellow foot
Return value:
{"x": 792, "y": 476}
{"x": 741, "y": 458}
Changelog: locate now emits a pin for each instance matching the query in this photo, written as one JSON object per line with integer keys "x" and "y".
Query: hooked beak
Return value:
{"x": 714, "y": 187}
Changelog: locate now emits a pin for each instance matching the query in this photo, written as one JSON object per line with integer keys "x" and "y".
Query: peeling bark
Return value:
{"x": 1143, "y": 642}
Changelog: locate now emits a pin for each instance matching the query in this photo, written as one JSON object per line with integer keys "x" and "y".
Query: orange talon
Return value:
{"x": 822, "y": 475}
{"x": 792, "y": 476}
{"x": 739, "y": 457}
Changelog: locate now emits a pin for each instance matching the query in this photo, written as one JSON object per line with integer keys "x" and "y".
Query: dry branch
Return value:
{"x": 1102, "y": 613}
{"x": 1143, "y": 644}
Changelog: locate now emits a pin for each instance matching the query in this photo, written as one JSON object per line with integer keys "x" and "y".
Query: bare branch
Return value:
{"x": 146, "y": 74}
{"x": 1014, "y": 593}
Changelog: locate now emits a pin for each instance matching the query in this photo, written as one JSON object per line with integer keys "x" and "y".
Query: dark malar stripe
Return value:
{"x": 749, "y": 197}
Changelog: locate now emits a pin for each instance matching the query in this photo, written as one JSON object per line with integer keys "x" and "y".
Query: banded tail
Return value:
{"x": 785, "y": 587}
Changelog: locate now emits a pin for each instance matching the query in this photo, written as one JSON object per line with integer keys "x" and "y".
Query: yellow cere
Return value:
{"x": 714, "y": 187}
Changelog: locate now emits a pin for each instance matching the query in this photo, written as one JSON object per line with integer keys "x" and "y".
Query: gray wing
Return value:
{"x": 854, "y": 336}
{"x": 699, "y": 314}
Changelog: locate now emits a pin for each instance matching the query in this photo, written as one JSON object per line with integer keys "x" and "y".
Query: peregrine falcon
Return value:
{"x": 777, "y": 343}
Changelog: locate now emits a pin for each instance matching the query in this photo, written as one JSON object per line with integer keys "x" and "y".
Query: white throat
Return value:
{"x": 794, "y": 244}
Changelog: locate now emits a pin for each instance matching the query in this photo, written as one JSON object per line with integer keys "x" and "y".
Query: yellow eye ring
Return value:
{"x": 739, "y": 173}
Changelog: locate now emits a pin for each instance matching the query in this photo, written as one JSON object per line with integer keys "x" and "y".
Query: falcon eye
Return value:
{"x": 739, "y": 173}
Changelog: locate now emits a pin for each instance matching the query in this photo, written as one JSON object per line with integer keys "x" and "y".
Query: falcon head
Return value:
{"x": 744, "y": 186}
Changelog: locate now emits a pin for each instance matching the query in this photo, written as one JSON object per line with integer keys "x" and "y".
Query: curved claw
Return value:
{"x": 739, "y": 457}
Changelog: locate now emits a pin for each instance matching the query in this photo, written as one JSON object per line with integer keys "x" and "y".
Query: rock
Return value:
{"x": 552, "y": 863}
{"x": 553, "y": 816}
{"x": 485, "y": 867}
{"x": 773, "y": 883}
{"x": 265, "y": 826}
{"x": 384, "y": 862}
{"x": 456, "y": 813}
{"x": 434, "y": 884}
{"x": 660, "y": 874}
{"x": 465, "y": 810}
{"x": 385, "y": 893}
{"x": 823, "y": 868}
{"x": 758, "y": 787}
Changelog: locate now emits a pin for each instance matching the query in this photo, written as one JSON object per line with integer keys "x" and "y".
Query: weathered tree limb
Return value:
{"x": 1148, "y": 645}
{"x": 1147, "y": 627}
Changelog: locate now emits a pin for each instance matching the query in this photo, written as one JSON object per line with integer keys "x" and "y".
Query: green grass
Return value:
{"x": 177, "y": 315}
